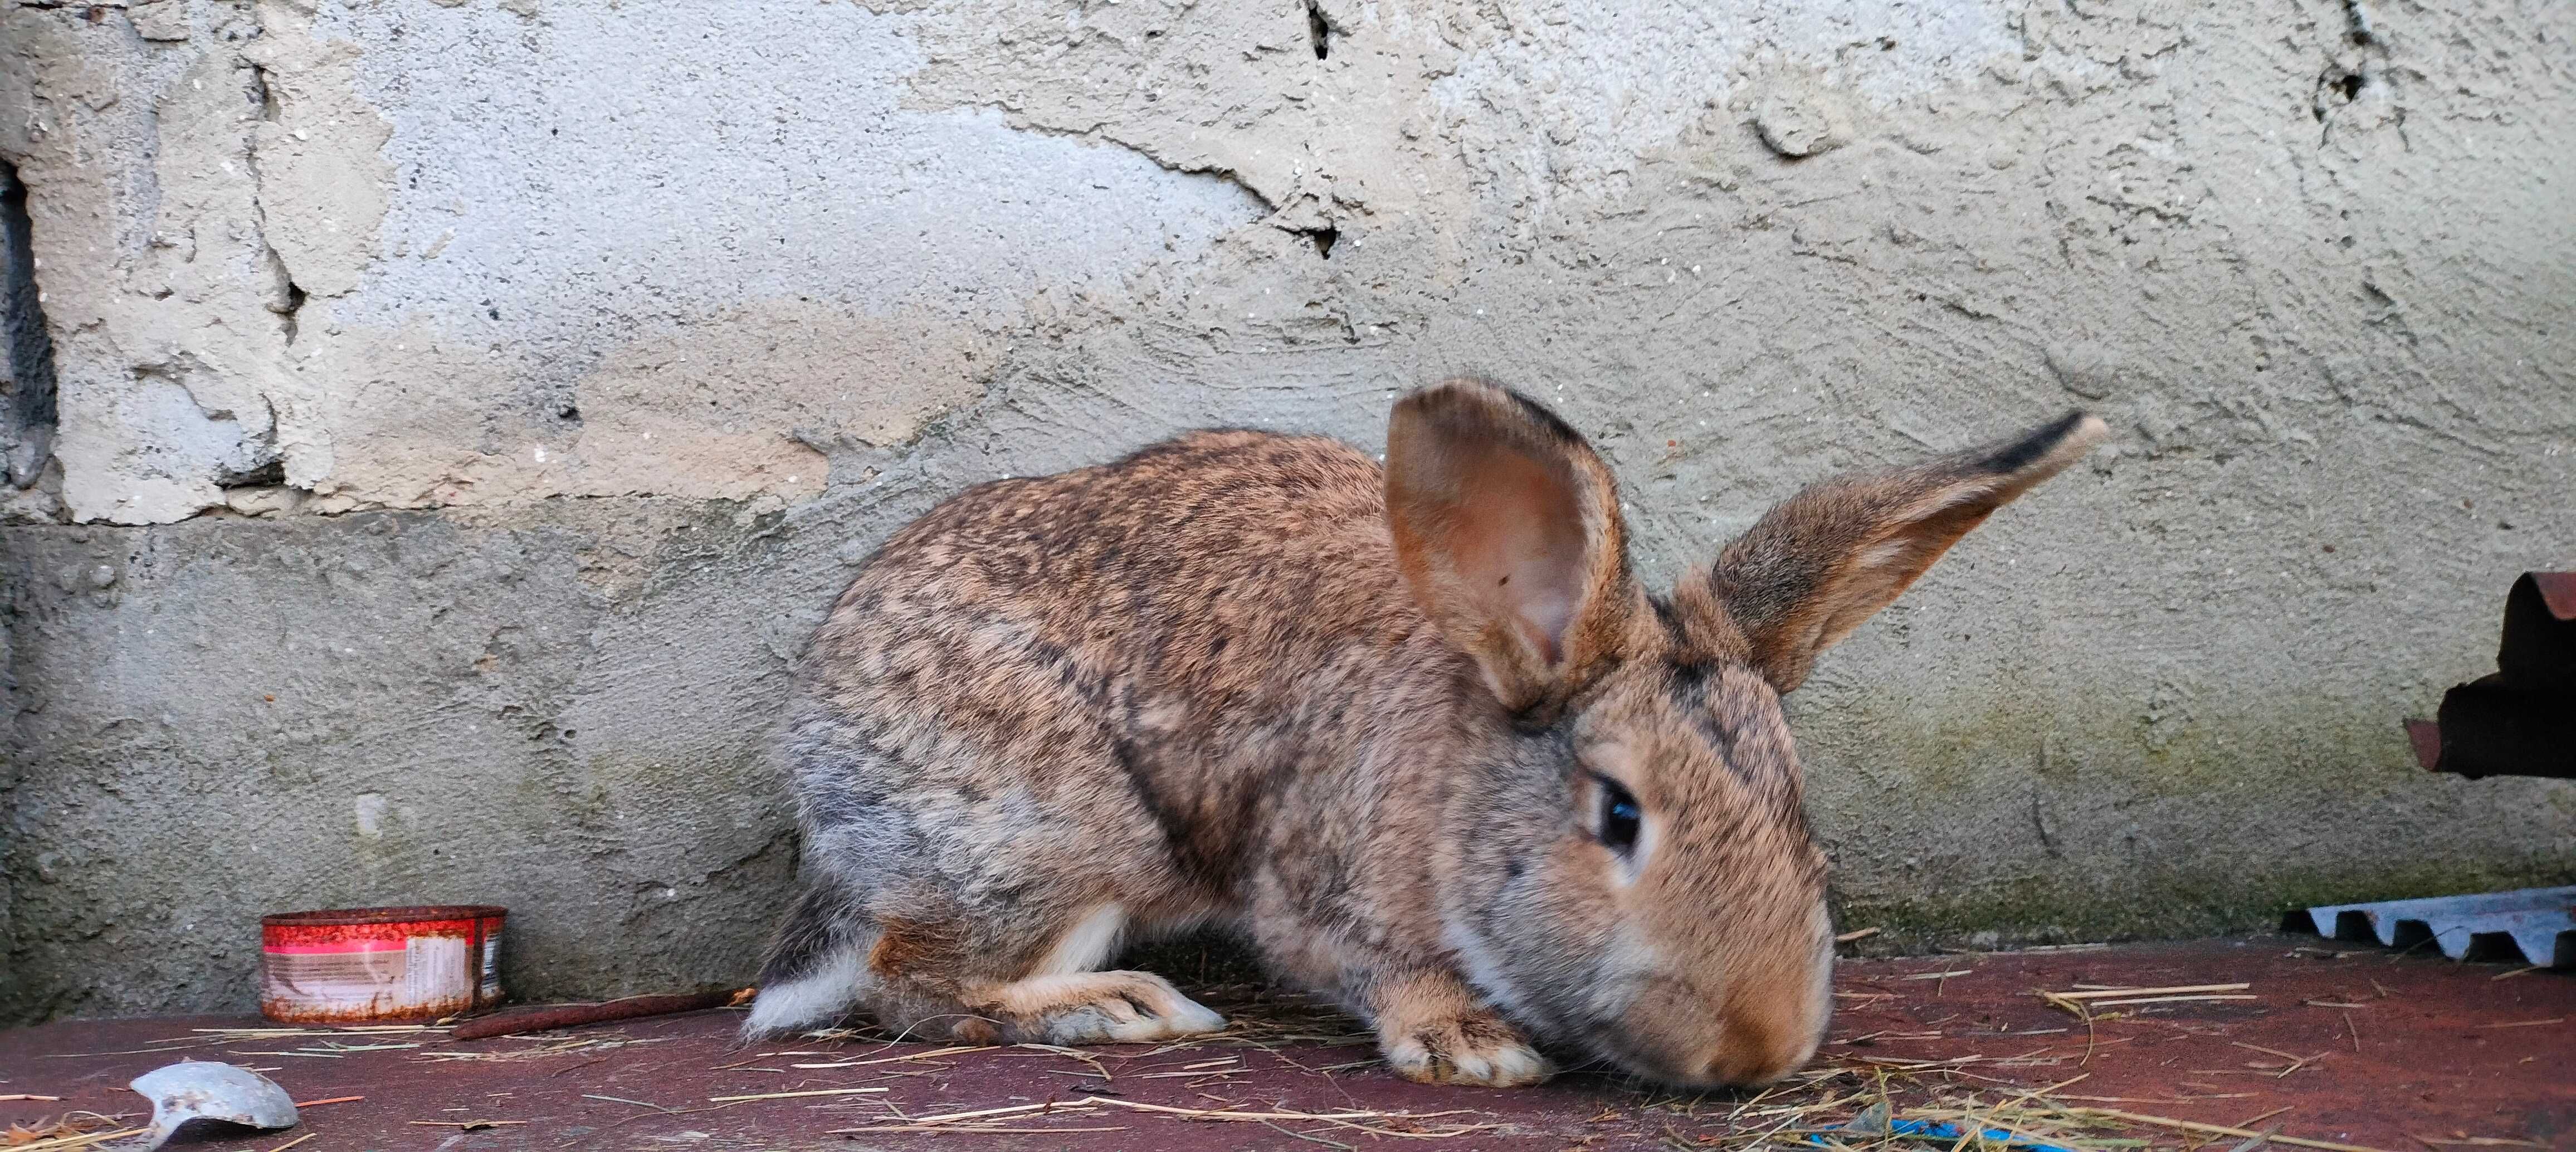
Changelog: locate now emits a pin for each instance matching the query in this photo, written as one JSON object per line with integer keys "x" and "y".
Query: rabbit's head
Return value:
{"x": 1635, "y": 876}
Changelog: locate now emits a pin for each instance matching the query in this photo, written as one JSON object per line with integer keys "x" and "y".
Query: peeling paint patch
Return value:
{"x": 318, "y": 151}
{"x": 746, "y": 403}
{"x": 514, "y": 203}
{"x": 204, "y": 186}
{"x": 1320, "y": 110}
{"x": 624, "y": 162}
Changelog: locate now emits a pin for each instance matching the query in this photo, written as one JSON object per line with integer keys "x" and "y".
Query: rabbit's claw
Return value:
{"x": 1475, "y": 1048}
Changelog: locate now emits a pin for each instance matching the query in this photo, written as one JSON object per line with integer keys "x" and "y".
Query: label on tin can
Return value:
{"x": 370, "y": 975}
{"x": 434, "y": 969}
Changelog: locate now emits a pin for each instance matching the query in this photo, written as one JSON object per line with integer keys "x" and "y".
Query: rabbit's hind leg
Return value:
{"x": 1060, "y": 999}
{"x": 1098, "y": 1008}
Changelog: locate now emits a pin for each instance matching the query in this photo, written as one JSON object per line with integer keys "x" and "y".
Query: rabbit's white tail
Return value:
{"x": 817, "y": 967}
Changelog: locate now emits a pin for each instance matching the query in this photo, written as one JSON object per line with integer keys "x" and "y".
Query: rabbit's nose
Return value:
{"x": 1764, "y": 1036}
{"x": 1745, "y": 1034}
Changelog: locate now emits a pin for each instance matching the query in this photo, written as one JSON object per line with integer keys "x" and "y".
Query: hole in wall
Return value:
{"x": 2337, "y": 87}
{"x": 1324, "y": 239}
{"x": 27, "y": 417}
{"x": 1319, "y": 31}
{"x": 269, "y": 475}
{"x": 295, "y": 298}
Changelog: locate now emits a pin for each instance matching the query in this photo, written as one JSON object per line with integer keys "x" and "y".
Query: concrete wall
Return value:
{"x": 465, "y": 408}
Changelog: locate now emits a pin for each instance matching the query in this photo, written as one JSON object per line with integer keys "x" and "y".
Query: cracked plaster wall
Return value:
{"x": 466, "y": 407}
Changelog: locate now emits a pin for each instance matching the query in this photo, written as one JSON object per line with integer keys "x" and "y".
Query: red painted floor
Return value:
{"x": 2336, "y": 1046}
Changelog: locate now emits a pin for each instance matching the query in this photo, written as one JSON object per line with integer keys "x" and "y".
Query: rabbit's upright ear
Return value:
{"x": 1815, "y": 567}
{"x": 1507, "y": 528}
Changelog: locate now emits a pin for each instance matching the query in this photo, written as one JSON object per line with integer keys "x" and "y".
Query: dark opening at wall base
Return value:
{"x": 2520, "y": 720}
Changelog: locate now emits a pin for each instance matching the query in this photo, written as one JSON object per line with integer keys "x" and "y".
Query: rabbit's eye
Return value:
{"x": 1619, "y": 817}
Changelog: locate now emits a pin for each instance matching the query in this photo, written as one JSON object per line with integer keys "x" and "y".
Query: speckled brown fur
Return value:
{"x": 1372, "y": 720}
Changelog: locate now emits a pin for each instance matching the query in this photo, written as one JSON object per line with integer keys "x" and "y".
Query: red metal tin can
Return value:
{"x": 380, "y": 965}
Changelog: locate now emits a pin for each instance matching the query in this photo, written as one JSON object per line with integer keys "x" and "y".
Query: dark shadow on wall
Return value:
{"x": 27, "y": 416}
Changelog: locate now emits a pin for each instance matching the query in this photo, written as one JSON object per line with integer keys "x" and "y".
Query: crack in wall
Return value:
{"x": 1098, "y": 134}
{"x": 290, "y": 296}
{"x": 2358, "y": 64}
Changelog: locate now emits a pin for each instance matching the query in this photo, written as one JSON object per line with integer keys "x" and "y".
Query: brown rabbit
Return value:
{"x": 1419, "y": 734}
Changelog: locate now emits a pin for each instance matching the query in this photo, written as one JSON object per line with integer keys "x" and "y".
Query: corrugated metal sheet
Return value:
{"x": 2540, "y": 923}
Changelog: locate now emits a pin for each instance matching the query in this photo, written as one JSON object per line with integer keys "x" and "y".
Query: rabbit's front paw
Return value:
{"x": 1472, "y": 1048}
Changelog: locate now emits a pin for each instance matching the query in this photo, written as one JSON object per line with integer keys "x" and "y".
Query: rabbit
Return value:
{"x": 1417, "y": 732}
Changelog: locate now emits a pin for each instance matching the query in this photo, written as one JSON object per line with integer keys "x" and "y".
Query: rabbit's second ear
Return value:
{"x": 1507, "y": 528}
{"x": 1815, "y": 567}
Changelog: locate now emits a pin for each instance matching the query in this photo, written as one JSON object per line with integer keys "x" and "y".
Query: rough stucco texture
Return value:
{"x": 467, "y": 407}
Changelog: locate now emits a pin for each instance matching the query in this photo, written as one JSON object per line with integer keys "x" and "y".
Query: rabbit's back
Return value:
{"x": 1120, "y": 669}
